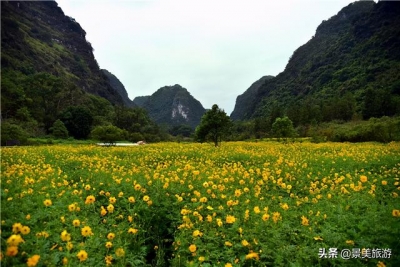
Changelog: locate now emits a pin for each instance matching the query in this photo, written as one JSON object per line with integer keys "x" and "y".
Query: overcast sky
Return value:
{"x": 214, "y": 48}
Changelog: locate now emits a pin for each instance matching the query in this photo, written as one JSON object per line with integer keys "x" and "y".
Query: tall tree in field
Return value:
{"x": 283, "y": 127}
{"x": 213, "y": 125}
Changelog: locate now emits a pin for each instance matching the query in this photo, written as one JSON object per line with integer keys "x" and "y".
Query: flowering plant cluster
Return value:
{"x": 242, "y": 204}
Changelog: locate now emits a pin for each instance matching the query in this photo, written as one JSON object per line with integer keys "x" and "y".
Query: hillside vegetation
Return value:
{"x": 350, "y": 70}
{"x": 50, "y": 76}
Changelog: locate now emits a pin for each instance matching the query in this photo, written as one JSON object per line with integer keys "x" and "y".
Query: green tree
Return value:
{"x": 59, "y": 130}
{"x": 108, "y": 134}
{"x": 10, "y": 132}
{"x": 78, "y": 121}
{"x": 213, "y": 125}
{"x": 283, "y": 127}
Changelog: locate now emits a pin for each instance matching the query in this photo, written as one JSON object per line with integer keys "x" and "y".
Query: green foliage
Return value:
{"x": 283, "y": 128}
{"x": 384, "y": 129}
{"x": 213, "y": 126}
{"x": 107, "y": 134}
{"x": 78, "y": 121}
{"x": 58, "y": 130}
{"x": 135, "y": 137}
{"x": 181, "y": 130}
{"x": 11, "y": 131}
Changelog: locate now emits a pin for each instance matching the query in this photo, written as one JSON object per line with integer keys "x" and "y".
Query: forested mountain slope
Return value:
{"x": 350, "y": 68}
{"x": 47, "y": 64}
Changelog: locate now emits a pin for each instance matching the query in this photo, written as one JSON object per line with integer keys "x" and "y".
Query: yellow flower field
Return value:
{"x": 168, "y": 204}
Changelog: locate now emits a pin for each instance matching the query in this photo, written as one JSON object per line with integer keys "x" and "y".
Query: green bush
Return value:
{"x": 10, "y": 131}
{"x": 59, "y": 130}
{"x": 383, "y": 130}
{"x": 107, "y": 134}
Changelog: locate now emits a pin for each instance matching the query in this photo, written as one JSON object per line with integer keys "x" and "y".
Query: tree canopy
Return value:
{"x": 283, "y": 127}
{"x": 213, "y": 125}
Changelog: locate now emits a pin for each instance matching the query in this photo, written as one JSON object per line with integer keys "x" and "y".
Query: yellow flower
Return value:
{"x": 146, "y": 198}
{"x": 90, "y": 199}
{"x": 14, "y": 240}
{"x": 133, "y": 231}
{"x": 47, "y": 202}
{"x": 120, "y": 252}
{"x": 203, "y": 200}
{"x": 72, "y": 207}
{"x": 350, "y": 242}
{"x": 276, "y": 216}
{"x": 86, "y": 231}
{"x": 245, "y": 243}
{"x": 252, "y": 255}
{"x": 25, "y": 230}
{"x": 108, "y": 259}
{"x": 230, "y": 219}
{"x": 256, "y": 209}
{"x": 112, "y": 200}
{"x": 12, "y": 251}
{"x": 381, "y": 264}
{"x": 228, "y": 265}
{"x": 64, "y": 261}
{"x": 201, "y": 259}
{"x": 396, "y": 213}
{"x": 284, "y": 206}
{"x": 33, "y": 261}
{"x": 265, "y": 217}
{"x": 110, "y": 208}
{"x": 111, "y": 236}
{"x": 384, "y": 182}
{"x": 76, "y": 223}
{"x": 197, "y": 233}
{"x": 82, "y": 255}
{"x": 131, "y": 199}
{"x": 108, "y": 244}
{"x": 318, "y": 238}
{"x": 137, "y": 187}
{"x": 16, "y": 228}
{"x": 228, "y": 244}
{"x": 304, "y": 221}
{"x": 192, "y": 248}
{"x": 363, "y": 178}
{"x": 43, "y": 234}
{"x": 69, "y": 246}
{"x": 103, "y": 211}
{"x": 65, "y": 236}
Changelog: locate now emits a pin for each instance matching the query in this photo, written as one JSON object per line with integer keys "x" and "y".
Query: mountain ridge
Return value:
{"x": 119, "y": 87}
{"x": 172, "y": 105}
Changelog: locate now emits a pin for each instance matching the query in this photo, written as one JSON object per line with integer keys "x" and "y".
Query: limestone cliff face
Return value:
{"x": 172, "y": 105}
